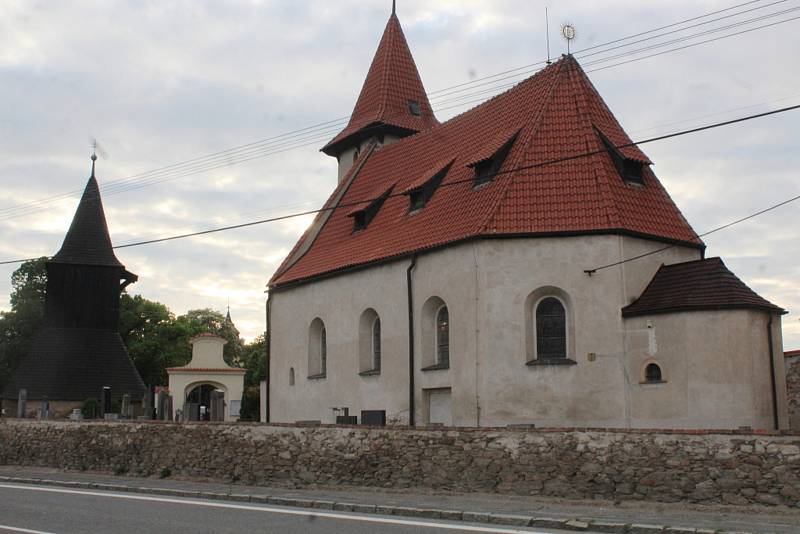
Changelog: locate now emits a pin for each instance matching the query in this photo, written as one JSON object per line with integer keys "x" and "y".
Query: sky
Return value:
{"x": 162, "y": 82}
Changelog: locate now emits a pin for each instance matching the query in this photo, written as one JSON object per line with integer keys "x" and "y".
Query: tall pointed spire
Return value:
{"x": 394, "y": 7}
{"x": 87, "y": 242}
{"x": 392, "y": 100}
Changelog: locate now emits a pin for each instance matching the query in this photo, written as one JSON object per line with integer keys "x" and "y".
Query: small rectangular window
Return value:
{"x": 419, "y": 195}
{"x": 414, "y": 109}
{"x": 487, "y": 169}
{"x": 630, "y": 170}
{"x": 362, "y": 217}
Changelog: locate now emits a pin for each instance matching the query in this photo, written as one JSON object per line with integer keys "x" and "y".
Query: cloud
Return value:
{"x": 183, "y": 79}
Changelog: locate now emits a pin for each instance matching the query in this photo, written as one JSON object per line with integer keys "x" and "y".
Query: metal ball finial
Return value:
{"x": 94, "y": 157}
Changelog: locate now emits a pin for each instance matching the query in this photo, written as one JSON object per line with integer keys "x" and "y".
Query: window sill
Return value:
{"x": 652, "y": 383}
{"x": 436, "y": 367}
{"x": 551, "y": 361}
{"x": 371, "y": 372}
{"x": 317, "y": 377}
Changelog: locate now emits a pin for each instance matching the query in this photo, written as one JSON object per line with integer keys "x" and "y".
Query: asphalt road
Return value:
{"x": 47, "y": 510}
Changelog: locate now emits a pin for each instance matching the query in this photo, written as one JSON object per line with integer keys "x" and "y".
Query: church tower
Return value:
{"x": 392, "y": 104}
{"x": 79, "y": 350}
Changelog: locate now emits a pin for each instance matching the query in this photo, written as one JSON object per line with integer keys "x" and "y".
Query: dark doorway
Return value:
{"x": 199, "y": 402}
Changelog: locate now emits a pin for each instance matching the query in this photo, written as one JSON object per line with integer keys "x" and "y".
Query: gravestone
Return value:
{"x": 147, "y": 403}
{"x": 105, "y": 401}
{"x": 168, "y": 408}
{"x": 126, "y": 406}
{"x": 161, "y": 405}
{"x": 22, "y": 403}
{"x": 44, "y": 409}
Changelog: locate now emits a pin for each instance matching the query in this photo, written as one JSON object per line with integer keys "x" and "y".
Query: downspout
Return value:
{"x": 772, "y": 374}
{"x": 268, "y": 346}
{"x": 411, "y": 407}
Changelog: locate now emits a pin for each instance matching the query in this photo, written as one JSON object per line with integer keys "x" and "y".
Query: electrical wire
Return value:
{"x": 223, "y": 158}
{"x": 471, "y": 180}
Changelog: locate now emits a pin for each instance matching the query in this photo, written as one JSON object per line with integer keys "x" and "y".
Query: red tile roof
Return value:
{"x": 791, "y": 353}
{"x": 392, "y": 81}
{"x": 696, "y": 285}
{"x": 557, "y": 113}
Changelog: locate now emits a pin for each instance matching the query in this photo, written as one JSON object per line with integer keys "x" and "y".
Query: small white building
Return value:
{"x": 206, "y": 379}
{"x": 520, "y": 263}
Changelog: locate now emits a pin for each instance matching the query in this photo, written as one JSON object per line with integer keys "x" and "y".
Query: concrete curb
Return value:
{"x": 518, "y": 520}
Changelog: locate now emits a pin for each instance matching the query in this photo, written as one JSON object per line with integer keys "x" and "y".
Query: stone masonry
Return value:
{"x": 661, "y": 466}
{"x": 793, "y": 390}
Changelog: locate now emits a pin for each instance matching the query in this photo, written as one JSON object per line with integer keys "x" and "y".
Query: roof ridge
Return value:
{"x": 534, "y": 129}
{"x": 613, "y": 212}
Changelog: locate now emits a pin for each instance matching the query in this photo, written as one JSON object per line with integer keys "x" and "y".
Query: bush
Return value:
{"x": 90, "y": 409}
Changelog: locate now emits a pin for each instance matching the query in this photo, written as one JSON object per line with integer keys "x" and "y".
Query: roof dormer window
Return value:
{"x": 366, "y": 212}
{"x": 414, "y": 109}
{"x": 421, "y": 191}
{"x": 629, "y": 169}
{"x": 488, "y": 163}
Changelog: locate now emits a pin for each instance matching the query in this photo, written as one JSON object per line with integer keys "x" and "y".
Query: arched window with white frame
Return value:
{"x": 549, "y": 327}
{"x": 435, "y": 335}
{"x": 317, "y": 349}
{"x": 369, "y": 343}
{"x": 443, "y": 336}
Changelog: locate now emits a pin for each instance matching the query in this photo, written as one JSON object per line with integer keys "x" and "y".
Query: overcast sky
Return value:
{"x": 161, "y": 82}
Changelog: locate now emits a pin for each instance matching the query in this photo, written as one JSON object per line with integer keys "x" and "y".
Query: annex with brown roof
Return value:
{"x": 694, "y": 286}
{"x": 545, "y": 186}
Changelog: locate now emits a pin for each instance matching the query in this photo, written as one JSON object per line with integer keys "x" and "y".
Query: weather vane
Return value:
{"x": 568, "y": 31}
{"x": 94, "y": 149}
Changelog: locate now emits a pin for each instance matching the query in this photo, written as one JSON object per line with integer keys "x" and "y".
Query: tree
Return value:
{"x": 254, "y": 359}
{"x": 19, "y": 326}
{"x": 207, "y": 320}
{"x": 154, "y": 338}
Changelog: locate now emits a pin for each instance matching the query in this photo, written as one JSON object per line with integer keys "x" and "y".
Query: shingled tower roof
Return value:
{"x": 392, "y": 88}
{"x": 87, "y": 242}
{"x": 560, "y": 177}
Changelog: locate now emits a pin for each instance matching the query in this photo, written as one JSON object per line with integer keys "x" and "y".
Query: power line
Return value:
{"x": 471, "y": 180}
{"x": 223, "y": 158}
{"x": 717, "y": 229}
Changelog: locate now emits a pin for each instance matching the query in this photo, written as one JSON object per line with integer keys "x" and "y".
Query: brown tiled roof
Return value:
{"x": 557, "y": 114}
{"x": 210, "y": 370}
{"x": 696, "y": 285}
{"x": 392, "y": 81}
{"x": 87, "y": 242}
{"x": 791, "y": 353}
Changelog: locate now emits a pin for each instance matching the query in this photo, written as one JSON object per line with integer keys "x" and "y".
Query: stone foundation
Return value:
{"x": 664, "y": 466}
{"x": 793, "y": 390}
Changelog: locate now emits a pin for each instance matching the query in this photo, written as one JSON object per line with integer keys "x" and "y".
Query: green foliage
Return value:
{"x": 19, "y": 326}
{"x": 154, "y": 338}
{"x": 207, "y": 320}
{"x": 254, "y": 359}
{"x": 90, "y": 408}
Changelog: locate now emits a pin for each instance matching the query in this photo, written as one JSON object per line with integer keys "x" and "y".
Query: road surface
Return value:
{"x": 47, "y": 510}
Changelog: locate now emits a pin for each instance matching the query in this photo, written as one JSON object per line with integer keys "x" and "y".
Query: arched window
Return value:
{"x": 323, "y": 352}
{"x": 369, "y": 343}
{"x": 291, "y": 376}
{"x": 376, "y": 344}
{"x": 355, "y": 155}
{"x": 551, "y": 329}
{"x": 443, "y": 337}
{"x": 652, "y": 373}
{"x": 317, "y": 349}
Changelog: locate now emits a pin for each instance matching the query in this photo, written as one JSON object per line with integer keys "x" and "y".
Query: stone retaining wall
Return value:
{"x": 609, "y": 464}
{"x": 793, "y": 390}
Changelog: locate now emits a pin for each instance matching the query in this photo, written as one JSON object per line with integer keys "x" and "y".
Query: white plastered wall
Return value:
{"x": 485, "y": 285}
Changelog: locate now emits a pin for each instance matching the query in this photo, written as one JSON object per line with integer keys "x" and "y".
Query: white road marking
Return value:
{"x": 286, "y": 511}
{"x": 25, "y": 530}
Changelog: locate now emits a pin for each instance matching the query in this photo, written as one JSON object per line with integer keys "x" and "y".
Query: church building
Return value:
{"x": 79, "y": 350}
{"x": 473, "y": 273}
